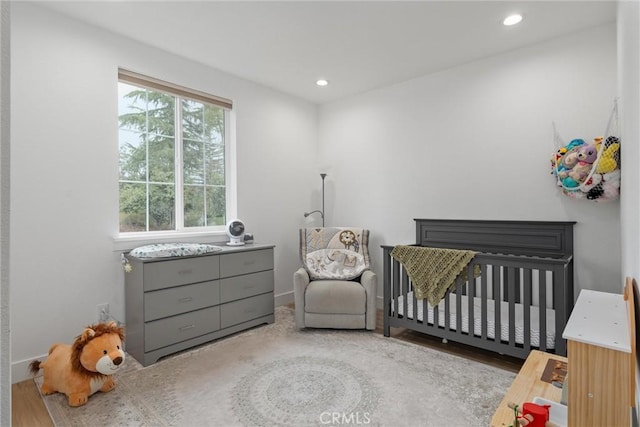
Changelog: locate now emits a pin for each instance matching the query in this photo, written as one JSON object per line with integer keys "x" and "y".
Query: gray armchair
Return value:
{"x": 335, "y": 288}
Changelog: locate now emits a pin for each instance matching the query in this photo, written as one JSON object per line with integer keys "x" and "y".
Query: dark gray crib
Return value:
{"x": 521, "y": 300}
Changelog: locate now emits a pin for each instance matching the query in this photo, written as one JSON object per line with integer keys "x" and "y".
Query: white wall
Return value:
{"x": 5, "y": 337}
{"x": 64, "y": 171}
{"x": 474, "y": 142}
{"x": 629, "y": 93}
{"x": 628, "y": 24}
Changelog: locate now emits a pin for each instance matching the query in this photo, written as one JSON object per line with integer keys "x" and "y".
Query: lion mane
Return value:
{"x": 89, "y": 334}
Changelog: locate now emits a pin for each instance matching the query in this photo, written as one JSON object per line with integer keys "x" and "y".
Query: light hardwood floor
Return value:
{"x": 27, "y": 407}
{"x": 28, "y": 410}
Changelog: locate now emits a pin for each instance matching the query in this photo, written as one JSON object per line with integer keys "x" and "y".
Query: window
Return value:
{"x": 173, "y": 156}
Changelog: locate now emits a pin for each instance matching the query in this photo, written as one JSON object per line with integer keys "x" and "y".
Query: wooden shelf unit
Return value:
{"x": 601, "y": 354}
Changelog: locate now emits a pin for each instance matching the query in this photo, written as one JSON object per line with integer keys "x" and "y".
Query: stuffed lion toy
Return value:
{"x": 85, "y": 367}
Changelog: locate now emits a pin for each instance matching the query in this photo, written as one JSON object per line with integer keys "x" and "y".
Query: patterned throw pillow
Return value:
{"x": 334, "y": 253}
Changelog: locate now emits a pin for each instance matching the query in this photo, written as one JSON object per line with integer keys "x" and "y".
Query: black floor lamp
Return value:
{"x": 321, "y": 212}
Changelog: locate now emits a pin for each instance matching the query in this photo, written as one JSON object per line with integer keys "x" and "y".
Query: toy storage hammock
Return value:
{"x": 589, "y": 170}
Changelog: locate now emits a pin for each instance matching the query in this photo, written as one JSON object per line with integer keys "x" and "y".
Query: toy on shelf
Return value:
{"x": 86, "y": 366}
{"x": 531, "y": 415}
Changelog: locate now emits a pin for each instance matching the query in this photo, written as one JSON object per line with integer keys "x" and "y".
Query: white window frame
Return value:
{"x": 128, "y": 240}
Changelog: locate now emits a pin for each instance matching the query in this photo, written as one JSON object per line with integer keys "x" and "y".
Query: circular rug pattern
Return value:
{"x": 304, "y": 391}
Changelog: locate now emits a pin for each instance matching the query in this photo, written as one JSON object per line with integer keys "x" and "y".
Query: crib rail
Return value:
{"x": 526, "y": 283}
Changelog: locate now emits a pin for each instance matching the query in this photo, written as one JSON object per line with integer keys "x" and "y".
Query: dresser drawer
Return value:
{"x": 233, "y": 288}
{"x": 171, "y": 330}
{"x": 246, "y": 309}
{"x": 246, "y": 262}
{"x": 172, "y": 301}
{"x": 159, "y": 275}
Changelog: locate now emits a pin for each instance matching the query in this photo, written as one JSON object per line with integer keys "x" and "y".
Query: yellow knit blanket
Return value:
{"x": 433, "y": 270}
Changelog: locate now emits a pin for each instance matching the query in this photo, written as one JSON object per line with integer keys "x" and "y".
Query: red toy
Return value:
{"x": 531, "y": 415}
{"x": 540, "y": 414}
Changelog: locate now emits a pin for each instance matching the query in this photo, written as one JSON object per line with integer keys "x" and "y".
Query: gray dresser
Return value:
{"x": 175, "y": 303}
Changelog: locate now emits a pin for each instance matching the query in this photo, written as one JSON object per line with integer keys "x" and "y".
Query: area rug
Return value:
{"x": 276, "y": 375}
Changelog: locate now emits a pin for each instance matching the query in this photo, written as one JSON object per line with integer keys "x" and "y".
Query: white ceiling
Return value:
{"x": 357, "y": 45}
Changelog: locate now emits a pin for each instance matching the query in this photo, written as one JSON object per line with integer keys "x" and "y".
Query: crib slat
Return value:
{"x": 415, "y": 303}
{"x": 395, "y": 284}
{"x": 511, "y": 282}
{"x": 516, "y": 286}
{"x": 542, "y": 305}
{"x": 400, "y": 284}
{"x": 435, "y": 313}
{"x": 497, "y": 298}
{"x": 405, "y": 287}
{"x": 458, "y": 305}
{"x": 447, "y": 312}
{"x": 425, "y": 312}
{"x": 526, "y": 309}
{"x": 483, "y": 301}
{"x": 388, "y": 284}
{"x": 471, "y": 292}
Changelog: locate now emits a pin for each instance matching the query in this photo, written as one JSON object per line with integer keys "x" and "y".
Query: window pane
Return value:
{"x": 193, "y": 206}
{"x": 133, "y": 207}
{"x": 214, "y": 159}
{"x": 213, "y": 123}
{"x": 192, "y": 125}
{"x": 132, "y": 107}
{"x": 161, "y": 207}
{"x": 133, "y": 156}
{"x": 193, "y": 162}
{"x": 161, "y": 159}
{"x": 161, "y": 110}
{"x": 216, "y": 206}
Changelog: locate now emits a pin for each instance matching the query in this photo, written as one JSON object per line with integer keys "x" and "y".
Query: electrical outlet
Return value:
{"x": 103, "y": 312}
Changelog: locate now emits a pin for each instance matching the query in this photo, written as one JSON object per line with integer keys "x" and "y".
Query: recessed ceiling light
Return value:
{"x": 512, "y": 19}
{"x": 322, "y": 82}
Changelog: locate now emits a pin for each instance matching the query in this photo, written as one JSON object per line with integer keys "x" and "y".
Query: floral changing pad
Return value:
{"x": 167, "y": 250}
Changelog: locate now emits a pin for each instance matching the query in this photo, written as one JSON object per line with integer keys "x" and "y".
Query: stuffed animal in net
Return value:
{"x": 568, "y": 157}
{"x": 85, "y": 367}
{"x": 609, "y": 160}
{"x": 586, "y": 155}
{"x": 607, "y": 172}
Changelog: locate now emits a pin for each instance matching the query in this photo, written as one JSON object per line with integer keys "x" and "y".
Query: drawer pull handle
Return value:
{"x": 185, "y": 299}
{"x": 253, "y": 261}
{"x": 186, "y": 328}
{"x": 250, "y": 310}
{"x": 249, "y": 286}
{"x": 188, "y": 271}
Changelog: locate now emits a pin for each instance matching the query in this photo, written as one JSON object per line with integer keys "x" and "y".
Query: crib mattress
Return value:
{"x": 477, "y": 325}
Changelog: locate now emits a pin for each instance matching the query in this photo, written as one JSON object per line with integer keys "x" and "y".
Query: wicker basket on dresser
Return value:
{"x": 172, "y": 304}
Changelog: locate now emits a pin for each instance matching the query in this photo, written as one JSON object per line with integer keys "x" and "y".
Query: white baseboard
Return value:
{"x": 20, "y": 369}
{"x": 283, "y": 299}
